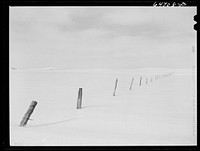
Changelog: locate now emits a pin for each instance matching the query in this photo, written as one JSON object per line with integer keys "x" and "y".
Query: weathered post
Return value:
{"x": 114, "y": 93}
{"x": 140, "y": 81}
{"x": 151, "y": 79}
{"x": 28, "y": 113}
{"x": 131, "y": 84}
{"x": 79, "y": 100}
{"x": 146, "y": 80}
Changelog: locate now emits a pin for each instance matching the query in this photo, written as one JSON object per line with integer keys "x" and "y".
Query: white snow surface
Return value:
{"x": 161, "y": 112}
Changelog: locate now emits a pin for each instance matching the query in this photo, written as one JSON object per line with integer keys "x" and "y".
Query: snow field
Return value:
{"x": 156, "y": 113}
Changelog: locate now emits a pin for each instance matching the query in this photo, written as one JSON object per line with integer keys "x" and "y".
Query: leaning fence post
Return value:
{"x": 79, "y": 100}
{"x": 131, "y": 84}
{"x": 28, "y": 113}
{"x": 115, "y": 87}
{"x": 140, "y": 81}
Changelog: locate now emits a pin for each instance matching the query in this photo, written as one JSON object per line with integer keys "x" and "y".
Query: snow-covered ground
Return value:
{"x": 161, "y": 112}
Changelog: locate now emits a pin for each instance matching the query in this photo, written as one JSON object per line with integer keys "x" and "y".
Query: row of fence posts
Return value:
{"x": 33, "y": 104}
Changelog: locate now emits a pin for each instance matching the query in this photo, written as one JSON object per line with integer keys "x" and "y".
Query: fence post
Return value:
{"x": 115, "y": 87}
{"x": 28, "y": 113}
{"x": 146, "y": 80}
{"x": 140, "y": 81}
{"x": 131, "y": 84}
{"x": 79, "y": 100}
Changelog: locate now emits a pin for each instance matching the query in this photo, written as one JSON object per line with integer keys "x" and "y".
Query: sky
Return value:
{"x": 101, "y": 37}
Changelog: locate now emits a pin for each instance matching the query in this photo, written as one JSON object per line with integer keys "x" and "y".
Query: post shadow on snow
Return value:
{"x": 53, "y": 123}
{"x": 90, "y": 106}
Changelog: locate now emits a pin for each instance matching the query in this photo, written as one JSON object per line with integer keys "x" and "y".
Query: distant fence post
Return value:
{"x": 79, "y": 100}
{"x": 114, "y": 93}
{"x": 28, "y": 113}
{"x": 140, "y": 81}
{"x": 146, "y": 80}
{"x": 131, "y": 84}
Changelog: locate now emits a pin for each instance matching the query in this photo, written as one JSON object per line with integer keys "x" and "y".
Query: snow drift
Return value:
{"x": 159, "y": 112}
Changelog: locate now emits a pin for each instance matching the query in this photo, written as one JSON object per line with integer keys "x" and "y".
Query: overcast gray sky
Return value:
{"x": 102, "y": 37}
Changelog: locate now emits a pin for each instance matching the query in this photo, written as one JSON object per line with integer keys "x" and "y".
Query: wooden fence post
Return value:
{"x": 131, "y": 84}
{"x": 28, "y": 113}
{"x": 146, "y": 80}
{"x": 79, "y": 100}
{"x": 114, "y": 93}
{"x": 140, "y": 81}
